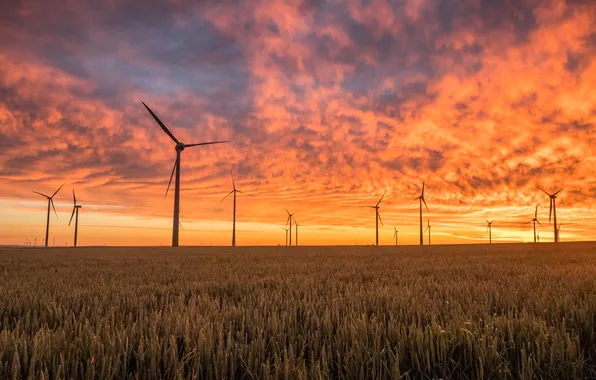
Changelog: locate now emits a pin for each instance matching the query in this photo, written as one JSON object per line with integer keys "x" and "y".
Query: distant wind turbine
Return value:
{"x": 179, "y": 148}
{"x": 489, "y": 229}
{"x": 296, "y": 224}
{"x": 421, "y": 198}
{"x": 75, "y": 211}
{"x": 395, "y": 234}
{"x": 234, "y": 191}
{"x": 428, "y": 229}
{"x": 553, "y": 210}
{"x": 534, "y": 221}
{"x": 285, "y": 229}
{"x": 558, "y": 231}
{"x": 377, "y": 217}
{"x": 50, "y": 203}
{"x": 289, "y": 220}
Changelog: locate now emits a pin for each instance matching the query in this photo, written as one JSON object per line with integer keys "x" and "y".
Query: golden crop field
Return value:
{"x": 452, "y": 312}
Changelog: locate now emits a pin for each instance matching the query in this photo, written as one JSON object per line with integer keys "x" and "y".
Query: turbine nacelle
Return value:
{"x": 180, "y": 147}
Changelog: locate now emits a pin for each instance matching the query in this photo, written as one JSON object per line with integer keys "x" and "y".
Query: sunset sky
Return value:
{"x": 327, "y": 103}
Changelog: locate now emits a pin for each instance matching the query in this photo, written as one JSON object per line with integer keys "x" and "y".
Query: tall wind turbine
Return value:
{"x": 553, "y": 210}
{"x": 50, "y": 202}
{"x": 428, "y": 229}
{"x": 534, "y": 221}
{"x": 489, "y": 229}
{"x": 421, "y": 197}
{"x": 296, "y": 224}
{"x": 179, "y": 148}
{"x": 234, "y": 191}
{"x": 75, "y": 211}
{"x": 395, "y": 234}
{"x": 378, "y": 217}
{"x": 289, "y": 220}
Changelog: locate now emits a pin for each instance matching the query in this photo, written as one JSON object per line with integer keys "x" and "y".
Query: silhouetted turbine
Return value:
{"x": 421, "y": 197}
{"x": 489, "y": 229}
{"x": 50, "y": 202}
{"x": 179, "y": 148}
{"x": 75, "y": 211}
{"x": 428, "y": 229}
{"x": 534, "y": 221}
{"x": 234, "y": 191}
{"x": 553, "y": 210}
{"x": 395, "y": 234}
{"x": 378, "y": 217}
{"x": 296, "y": 224}
{"x": 285, "y": 229}
{"x": 558, "y": 230}
{"x": 289, "y": 220}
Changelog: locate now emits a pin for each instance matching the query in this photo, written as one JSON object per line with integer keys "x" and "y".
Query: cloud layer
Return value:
{"x": 327, "y": 103}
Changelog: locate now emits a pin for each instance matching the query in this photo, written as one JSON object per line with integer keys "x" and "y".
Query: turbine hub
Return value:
{"x": 179, "y": 147}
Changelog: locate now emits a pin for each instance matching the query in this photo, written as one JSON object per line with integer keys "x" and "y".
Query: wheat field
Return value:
{"x": 452, "y": 312}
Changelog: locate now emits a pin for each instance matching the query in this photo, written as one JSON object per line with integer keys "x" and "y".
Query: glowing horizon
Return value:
{"x": 327, "y": 104}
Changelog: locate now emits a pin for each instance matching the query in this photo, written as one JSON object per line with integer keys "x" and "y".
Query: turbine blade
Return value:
{"x": 536, "y": 213}
{"x": 41, "y": 194}
{"x": 52, "y": 203}
{"x": 539, "y": 223}
{"x": 380, "y": 220}
{"x": 57, "y": 191}
{"x": 382, "y": 197}
{"x": 71, "y": 215}
{"x": 559, "y": 191}
{"x": 550, "y": 210}
{"x": 206, "y": 143}
{"x": 543, "y": 190}
{"x": 425, "y": 205}
{"x": 162, "y": 125}
{"x": 74, "y": 198}
{"x": 225, "y": 197}
{"x": 233, "y": 183}
{"x": 171, "y": 176}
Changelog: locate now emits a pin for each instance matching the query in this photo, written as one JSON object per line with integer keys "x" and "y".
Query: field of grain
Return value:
{"x": 452, "y": 312}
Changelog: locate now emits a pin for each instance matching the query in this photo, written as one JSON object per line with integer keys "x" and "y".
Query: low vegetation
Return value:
{"x": 451, "y": 312}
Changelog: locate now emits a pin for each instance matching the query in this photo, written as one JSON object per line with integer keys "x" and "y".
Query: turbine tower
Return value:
{"x": 75, "y": 211}
{"x": 489, "y": 229}
{"x": 179, "y": 148}
{"x": 421, "y": 198}
{"x": 534, "y": 221}
{"x": 378, "y": 217}
{"x": 234, "y": 191}
{"x": 553, "y": 210}
{"x": 50, "y": 202}
{"x": 395, "y": 234}
{"x": 428, "y": 229}
{"x": 289, "y": 220}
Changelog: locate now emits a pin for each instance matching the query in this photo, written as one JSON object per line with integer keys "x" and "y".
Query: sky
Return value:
{"x": 327, "y": 103}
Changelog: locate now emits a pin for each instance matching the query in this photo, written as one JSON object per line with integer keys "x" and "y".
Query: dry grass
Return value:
{"x": 465, "y": 312}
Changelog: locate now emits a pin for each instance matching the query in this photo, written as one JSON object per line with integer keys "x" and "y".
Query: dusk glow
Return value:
{"x": 327, "y": 104}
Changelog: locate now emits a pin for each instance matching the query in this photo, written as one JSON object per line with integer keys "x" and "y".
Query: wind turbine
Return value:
{"x": 285, "y": 229}
{"x": 421, "y": 197}
{"x": 75, "y": 211}
{"x": 553, "y": 210}
{"x": 234, "y": 191}
{"x": 428, "y": 228}
{"x": 559, "y": 229}
{"x": 378, "y": 217}
{"x": 289, "y": 220}
{"x": 50, "y": 202}
{"x": 489, "y": 229}
{"x": 534, "y": 221}
{"x": 179, "y": 148}
{"x": 296, "y": 224}
{"x": 395, "y": 234}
